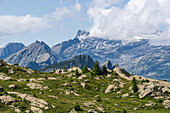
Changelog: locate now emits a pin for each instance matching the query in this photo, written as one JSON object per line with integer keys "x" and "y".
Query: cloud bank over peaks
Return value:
{"x": 136, "y": 17}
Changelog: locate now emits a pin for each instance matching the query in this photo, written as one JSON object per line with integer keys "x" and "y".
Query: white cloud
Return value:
{"x": 135, "y": 18}
{"x": 21, "y": 24}
{"x": 15, "y": 25}
{"x": 77, "y": 6}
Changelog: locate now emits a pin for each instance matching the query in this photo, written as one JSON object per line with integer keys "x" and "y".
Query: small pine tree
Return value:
{"x": 96, "y": 68}
{"x": 85, "y": 70}
{"x": 134, "y": 85}
{"x": 77, "y": 73}
{"x": 65, "y": 70}
{"x": 104, "y": 70}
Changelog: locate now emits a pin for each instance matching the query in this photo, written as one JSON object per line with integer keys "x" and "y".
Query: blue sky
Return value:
{"x": 54, "y": 21}
{"x": 63, "y": 29}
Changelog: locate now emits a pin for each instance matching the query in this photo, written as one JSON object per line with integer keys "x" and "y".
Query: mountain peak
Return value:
{"x": 82, "y": 34}
{"x": 39, "y": 42}
{"x": 108, "y": 65}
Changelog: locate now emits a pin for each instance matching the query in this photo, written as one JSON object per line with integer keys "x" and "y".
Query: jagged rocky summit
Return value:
{"x": 35, "y": 56}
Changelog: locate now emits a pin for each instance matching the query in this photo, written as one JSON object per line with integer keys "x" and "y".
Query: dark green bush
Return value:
{"x": 77, "y": 107}
{"x": 124, "y": 111}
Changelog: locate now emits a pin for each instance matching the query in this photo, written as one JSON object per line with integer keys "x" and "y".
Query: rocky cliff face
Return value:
{"x": 137, "y": 56}
{"x": 77, "y": 61}
{"x": 9, "y": 49}
{"x": 35, "y": 55}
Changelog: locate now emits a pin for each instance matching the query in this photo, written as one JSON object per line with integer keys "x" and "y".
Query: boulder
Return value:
{"x": 34, "y": 85}
{"x": 7, "y": 99}
{"x": 110, "y": 87}
{"x": 51, "y": 78}
{"x": 125, "y": 95}
{"x": 36, "y": 110}
{"x": 40, "y": 79}
{"x": 166, "y": 104}
{"x": 92, "y": 111}
{"x": 150, "y": 104}
{"x": 73, "y": 111}
{"x": 147, "y": 89}
{"x": 74, "y": 68}
{"x": 122, "y": 73}
{"x": 88, "y": 104}
{"x": 13, "y": 86}
{"x": 83, "y": 84}
{"x": 11, "y": 71}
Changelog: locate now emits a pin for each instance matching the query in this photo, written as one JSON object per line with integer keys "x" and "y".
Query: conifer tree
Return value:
{"x": 104, "y": 70}
{"x": 134, "y": 85}
{"x": 85, "y": 70}
{"x": 96, "y": 68}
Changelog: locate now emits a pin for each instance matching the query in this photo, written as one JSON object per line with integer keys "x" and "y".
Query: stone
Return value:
{"x": 74, "y": 68}
{"x": 92, "y": 111}
{"x": 166, "y": 104}
{"x": 136, "y": 108}
{"x": 73, "y": 111}
{"x": 97, "y": 78}
{"x": 83, "y": 84}
{"x": 40, "y": 79}
{"x": 87, "y": 81}
{"x": 150, "y": 104}
{"x": 21, "y": 80}
{"x": 18, "y": 110}
{"x": 68, "y": 92}
{"x": 88, "y": 104}
{"x": 66, "y": 84}
{"x": 36, "y": 110}
{"x": 27, "y": 111}
{"x": 34, "y": 86}
{"x": 52, "y": 78}
{"x": 122, "y": 73}
{"x": 51, "y": 96}
{"x": 147, "y": 89}
{"x": 46, "y": 108}
{"x": 13, "y": 86}
{"x": 109, "y": 76}
{"x": 7, "y": 99}
{"x": 33, "y": 80}
{"x": 110, "y": 87}
{"x": 11, "y": 71}
{"x": 100, "y": 109}
{"x": 119, "y": 92}
{"x": 40, "y": 93}
{"x": 125, "y": 95}
{"x": 122, "y": 85}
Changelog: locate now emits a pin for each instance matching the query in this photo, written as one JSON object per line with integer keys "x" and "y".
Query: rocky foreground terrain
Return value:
{"x": 70, "y": 91}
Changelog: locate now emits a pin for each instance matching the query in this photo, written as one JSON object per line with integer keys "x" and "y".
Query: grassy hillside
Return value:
{"x": 64, "y": 93}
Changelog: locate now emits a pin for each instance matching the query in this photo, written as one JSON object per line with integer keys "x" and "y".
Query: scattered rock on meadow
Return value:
{"x": 6, "y": 99}
{"x": 13, "y": 86}
{"x": 166, "y": 104}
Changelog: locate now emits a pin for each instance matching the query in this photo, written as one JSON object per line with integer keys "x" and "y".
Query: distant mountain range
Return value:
{"x": 35, "y": 56}
{"x": 136, "y": 56}
{"x": 9, "y": 49}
